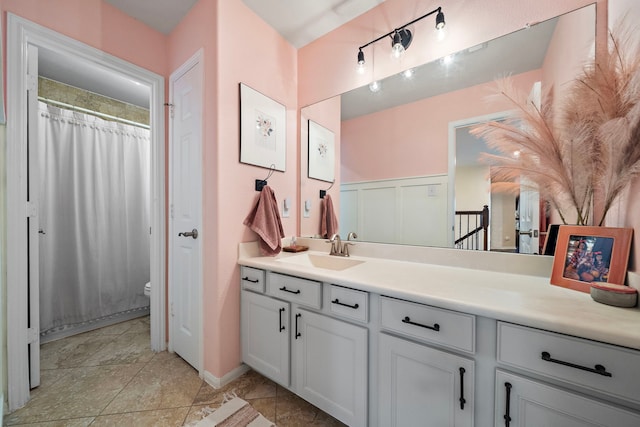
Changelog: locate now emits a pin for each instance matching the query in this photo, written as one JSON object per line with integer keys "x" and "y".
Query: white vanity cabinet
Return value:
{"x": 420, "y": 384}
{"x": 265, "y": 335}
{"x": 523, "y": 402}
{"x": 331, "y": 365}
{"x": 591, "y": 367}
{"x": 288, "y": 337}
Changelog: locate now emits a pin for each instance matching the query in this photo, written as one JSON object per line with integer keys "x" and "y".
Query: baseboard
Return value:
{"x": 216, "y": 382}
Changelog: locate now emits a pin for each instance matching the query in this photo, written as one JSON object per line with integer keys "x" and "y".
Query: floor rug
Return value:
{"x": 235, "y": 413}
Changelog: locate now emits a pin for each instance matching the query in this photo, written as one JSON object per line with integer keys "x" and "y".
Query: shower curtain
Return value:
{"x": 94, "y": 218}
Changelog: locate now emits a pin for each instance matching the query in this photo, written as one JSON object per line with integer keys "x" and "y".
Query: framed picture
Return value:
{"x": 322, "y": 154}
{"x": 586, "y": 255}
{"x": 262, "y": 130}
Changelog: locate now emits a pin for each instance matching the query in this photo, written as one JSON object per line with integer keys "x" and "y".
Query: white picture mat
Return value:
{"x": 322, "y": 153}
{"x": 262, "y": 130}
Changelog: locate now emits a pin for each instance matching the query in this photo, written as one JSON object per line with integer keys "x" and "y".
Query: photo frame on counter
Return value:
{"x": 322, "y": 153}
{"x": 263, "y": 130}
{"x": 586, "y": 255}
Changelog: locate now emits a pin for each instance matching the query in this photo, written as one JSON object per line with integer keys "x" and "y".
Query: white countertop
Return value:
{"x": 526, "y": 299}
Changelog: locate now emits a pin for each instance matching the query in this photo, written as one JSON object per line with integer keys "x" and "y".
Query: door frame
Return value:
{"x": 21, "y": 33}
{"x": 453, "y": 126}
{"x": 196, "y": 60}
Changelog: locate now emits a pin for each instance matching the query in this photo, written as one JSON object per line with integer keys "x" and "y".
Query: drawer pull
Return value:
{"x": 280, "y": 318}
{"x": 598, "y": 369}
{"x": 298, "y": 334}
{"x": 462, "y": 399}
{"x": 336, "y": 301}
{"x": 284, "y": 288}
{"x": 435, "y": 326}
{"x": 246, "y": 279}
{"x": 507, "y": 414}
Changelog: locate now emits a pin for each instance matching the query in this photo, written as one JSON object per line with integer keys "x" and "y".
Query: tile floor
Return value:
{"x": 110, "y": 377}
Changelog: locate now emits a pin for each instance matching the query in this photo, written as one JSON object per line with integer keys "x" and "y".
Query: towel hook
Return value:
{"x": 260, "y": 183}
{"x": 324, "y": 192}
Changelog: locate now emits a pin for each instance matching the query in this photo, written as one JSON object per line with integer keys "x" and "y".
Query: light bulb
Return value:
{"x": 397, "y": 50}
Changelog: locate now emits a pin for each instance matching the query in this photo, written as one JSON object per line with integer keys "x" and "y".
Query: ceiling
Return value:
{"x": 298, "y": 21}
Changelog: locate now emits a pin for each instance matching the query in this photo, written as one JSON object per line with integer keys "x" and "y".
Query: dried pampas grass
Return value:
{"x": 590, "y": 145}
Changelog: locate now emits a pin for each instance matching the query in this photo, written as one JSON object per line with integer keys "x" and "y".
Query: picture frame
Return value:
{"x": 263, "y": 130}
{"x": 586, "y": 255}
{"x": 322, "y": 155}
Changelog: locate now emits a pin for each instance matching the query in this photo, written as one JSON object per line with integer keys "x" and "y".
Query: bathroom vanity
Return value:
{"x": 407, "y": 336}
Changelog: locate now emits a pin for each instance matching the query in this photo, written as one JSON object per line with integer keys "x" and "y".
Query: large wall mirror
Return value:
{"x": 405, "y": 160}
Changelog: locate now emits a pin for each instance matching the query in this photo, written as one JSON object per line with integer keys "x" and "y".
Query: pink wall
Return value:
{"x": 97, "y": 24}
{"x": 413, "y": 139}
{"x": 266, "y": 62}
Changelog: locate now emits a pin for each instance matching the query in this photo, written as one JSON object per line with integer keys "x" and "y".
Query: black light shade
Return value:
{"x": 440, "y": 20}
{"x": 360, "y": 57}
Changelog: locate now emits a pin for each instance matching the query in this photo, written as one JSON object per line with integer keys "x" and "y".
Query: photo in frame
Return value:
{"x": 586, "y": 255}
{"x": 262, "y": 130}
{"x": 322, "y": 156}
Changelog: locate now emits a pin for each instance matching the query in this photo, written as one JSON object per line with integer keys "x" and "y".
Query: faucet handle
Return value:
{"x": 345, "y": 248}
{"x": 351, "y": 235}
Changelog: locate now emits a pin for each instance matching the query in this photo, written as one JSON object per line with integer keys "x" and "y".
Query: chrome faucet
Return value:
{"x": 339, "y": 248}
{"x": 336, "y": 245}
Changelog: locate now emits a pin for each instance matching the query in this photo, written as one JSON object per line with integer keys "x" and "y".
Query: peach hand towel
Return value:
{"x": 328, "y": 220}
{"x": 264, "y": 219}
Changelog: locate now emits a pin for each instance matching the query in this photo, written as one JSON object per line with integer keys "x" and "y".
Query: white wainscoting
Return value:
{"x": 407, "y": 210}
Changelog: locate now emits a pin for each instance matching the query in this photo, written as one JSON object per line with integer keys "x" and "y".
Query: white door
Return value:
{"x": 33, "y": 230}
{"x": 185, "y": 239}
{"x": 528, "y": 219}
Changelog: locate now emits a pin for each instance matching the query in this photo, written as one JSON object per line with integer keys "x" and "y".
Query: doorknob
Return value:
{"x": 530, "y": 233}
{"x": 193, "y": 233}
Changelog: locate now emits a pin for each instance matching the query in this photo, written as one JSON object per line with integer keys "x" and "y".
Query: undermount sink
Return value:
{"x": 322, "y": 261}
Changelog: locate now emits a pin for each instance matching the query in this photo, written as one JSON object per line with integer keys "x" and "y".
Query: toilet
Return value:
{"x": 147, "y": 289}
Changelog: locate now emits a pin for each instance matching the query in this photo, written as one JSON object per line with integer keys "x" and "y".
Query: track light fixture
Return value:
{"x": 400, "y": 37}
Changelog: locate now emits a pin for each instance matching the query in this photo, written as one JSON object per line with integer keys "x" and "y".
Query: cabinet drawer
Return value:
{"x": 601, "y": 367}
{"x": 349, "y": 303}
{"x": 252, "y": 279}
{"x": 294, "y": 289}
{"x": 430, "y": 324}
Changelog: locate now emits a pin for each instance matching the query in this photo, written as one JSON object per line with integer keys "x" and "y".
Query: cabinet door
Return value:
{"x": 331, "y": 365}
{"x": 521, "y": 402}
{"x": 422, "y": 386}
{"x": 265, "y": 335}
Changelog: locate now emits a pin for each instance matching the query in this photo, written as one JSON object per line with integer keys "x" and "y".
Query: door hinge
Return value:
{"x": 171, "y": 210}
{"x": 32, "y": 209}
{"x": 171, "y": 310}
{"x": 33, "y": 335}
{"x": 32, "y": 83}
{"x": 171, "y": 108}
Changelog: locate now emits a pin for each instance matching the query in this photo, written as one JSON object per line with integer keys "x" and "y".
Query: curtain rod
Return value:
{"x": 92, "y": 112}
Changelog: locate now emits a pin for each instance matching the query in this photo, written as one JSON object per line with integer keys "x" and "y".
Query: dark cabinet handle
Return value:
{"x": 284, "y": 288}
{"x": 336, "y": 301}
{"x": 298, "y": 334}
{"x": 246, "y": 279}
{"x": 462, "y": 399}
{"x": 435, "y": 326}
{"x": 280, "y": 318}
{"x": 507, "y": 414}
{"x": 598, "y": 369}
